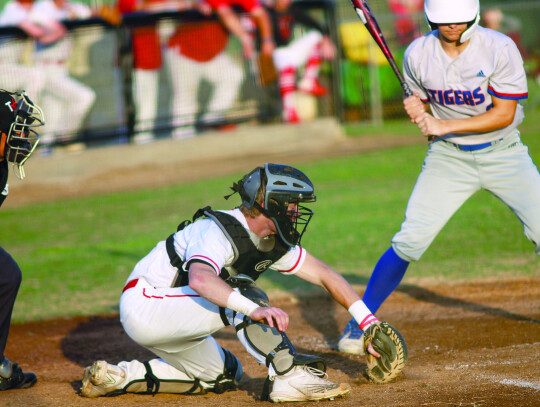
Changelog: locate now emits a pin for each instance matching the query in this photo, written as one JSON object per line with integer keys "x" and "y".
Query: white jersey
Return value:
{"x": 10, "y": 48}
{"x": 204, "y": 241}
{"x": 45, "y": 11}
{"x": 458, "y": 88}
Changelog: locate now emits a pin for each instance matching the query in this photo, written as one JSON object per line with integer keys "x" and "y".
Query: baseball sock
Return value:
{"x": 287, "y": 86}
{"x": 313, "y": 65}
{"x": 386, "y": 276}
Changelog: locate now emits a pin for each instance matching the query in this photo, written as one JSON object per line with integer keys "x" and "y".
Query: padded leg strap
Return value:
{"x": 151, "y": 384}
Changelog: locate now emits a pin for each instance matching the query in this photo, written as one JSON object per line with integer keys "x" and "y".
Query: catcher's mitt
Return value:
{"x": 389, "y": 343}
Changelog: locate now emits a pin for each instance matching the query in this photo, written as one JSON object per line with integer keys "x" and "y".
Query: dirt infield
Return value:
{"x": 474, "y": 344}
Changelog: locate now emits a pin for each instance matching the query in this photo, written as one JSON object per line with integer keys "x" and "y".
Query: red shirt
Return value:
{"x": 200, "y": 41}
{"x": 247, "y": 5}
{"x": 144, "y": 41}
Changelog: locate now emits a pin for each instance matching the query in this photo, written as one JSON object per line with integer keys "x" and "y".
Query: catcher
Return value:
{"x": 202, "y": 278}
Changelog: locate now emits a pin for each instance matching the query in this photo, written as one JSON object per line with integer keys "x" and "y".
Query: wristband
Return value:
{"x": 237, "y": 302}
{"x": 362, "y": 314}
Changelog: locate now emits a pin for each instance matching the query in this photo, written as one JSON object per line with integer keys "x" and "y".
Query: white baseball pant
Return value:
{"x": 176, "y": 324}
{"x": 297, "y": 53}
{"x": 450, "y": 176}
{"x": 223, "y": 72}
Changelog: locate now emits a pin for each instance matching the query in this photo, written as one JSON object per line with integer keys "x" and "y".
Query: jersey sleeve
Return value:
{"x": 291, "y": 262}
{"x": 207, "y": 244}
{"x": 12, "y": 15}
{"x": 509, "y": 80}
{"x": 411, "y": 72}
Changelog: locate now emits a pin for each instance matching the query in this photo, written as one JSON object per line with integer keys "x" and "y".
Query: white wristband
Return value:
{"x": 362, "y": 314}
{"x": 237, "y": 302}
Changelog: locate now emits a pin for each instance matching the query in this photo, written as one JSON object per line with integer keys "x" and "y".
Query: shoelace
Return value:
{"x": 316, "y": 373}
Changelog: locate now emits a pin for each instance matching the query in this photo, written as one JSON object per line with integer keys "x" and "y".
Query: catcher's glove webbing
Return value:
{"x": 389, "y": 343}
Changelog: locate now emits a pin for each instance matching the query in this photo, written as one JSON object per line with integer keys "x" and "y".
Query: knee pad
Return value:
{"x": 270, "y": 343}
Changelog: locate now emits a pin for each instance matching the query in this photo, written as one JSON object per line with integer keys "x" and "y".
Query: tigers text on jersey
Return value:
{"x": 458, "y": 88}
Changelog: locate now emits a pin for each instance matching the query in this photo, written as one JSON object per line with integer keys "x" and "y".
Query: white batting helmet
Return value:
{"x": 453, "y": 11}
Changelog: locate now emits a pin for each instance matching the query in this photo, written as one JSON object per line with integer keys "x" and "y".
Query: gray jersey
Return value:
{"x": 458, "y": 88}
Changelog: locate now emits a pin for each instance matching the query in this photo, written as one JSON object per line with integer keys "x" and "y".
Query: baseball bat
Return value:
{"x": 367, "y": 17}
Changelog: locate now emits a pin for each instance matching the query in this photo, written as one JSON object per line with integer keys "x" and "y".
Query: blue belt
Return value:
{"x": 474, "y": 147}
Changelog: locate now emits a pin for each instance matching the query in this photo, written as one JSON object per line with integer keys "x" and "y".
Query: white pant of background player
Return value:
{"x": 222, "y": 72}
{"x": 65, "y": 100}
{"x": 297, "y": 53}
{"x": 450, "y": 176}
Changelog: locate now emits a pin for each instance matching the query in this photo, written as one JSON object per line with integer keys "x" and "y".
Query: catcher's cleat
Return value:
{"x": 352, "y": 340}
{"x": 102, "y": 379}
{"x": 12, "y": 376}
{"x": 305, "y": 383}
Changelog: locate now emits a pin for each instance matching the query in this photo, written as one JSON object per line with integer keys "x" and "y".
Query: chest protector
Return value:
{"x": 248, "y": 259}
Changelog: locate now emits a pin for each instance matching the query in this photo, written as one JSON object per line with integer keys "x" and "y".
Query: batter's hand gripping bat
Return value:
{"x": 368, "y": 18}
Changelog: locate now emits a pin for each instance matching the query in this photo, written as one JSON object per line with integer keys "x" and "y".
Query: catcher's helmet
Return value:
{"x": 454, "y": 11}
{"x": 17, "y": 119}
{"x": 282, "y": 185}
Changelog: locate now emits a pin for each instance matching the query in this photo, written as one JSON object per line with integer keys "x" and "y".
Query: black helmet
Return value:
{"x": 283, "y": 185}
{"x": 17, "y": 122}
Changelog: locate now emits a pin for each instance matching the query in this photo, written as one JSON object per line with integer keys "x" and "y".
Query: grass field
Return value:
{"x": 77, "y": 253}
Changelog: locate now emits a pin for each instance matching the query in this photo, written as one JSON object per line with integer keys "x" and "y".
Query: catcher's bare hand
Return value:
{"x": 274, "y": 317}
{"x": 372, "y": 351}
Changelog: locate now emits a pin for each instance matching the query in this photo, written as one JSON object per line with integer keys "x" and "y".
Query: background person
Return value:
{"x": 478, "y": 145}
{"x": 306, "y": 52}
{"x": 196, "y": 52}
{"x": 14, "y": 73}
{"x": 62, "y": 95}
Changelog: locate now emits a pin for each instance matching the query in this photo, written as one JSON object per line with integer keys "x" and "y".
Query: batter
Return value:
{"x": 472, "y": 78}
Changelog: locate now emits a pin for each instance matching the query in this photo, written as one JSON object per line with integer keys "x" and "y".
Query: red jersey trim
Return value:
{"x": 296, "y": 264}
{"x": 167, "y": 296}
{"x": 501, "y": 95}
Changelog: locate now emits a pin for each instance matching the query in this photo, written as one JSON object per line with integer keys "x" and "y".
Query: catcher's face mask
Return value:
{"x": 286, "y": 188}
{"x": 22, "y": 139}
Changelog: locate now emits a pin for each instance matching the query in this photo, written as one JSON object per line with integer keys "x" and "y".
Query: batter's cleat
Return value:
{"x": 102, "y": 379}
{"x": 352, "y": 340}
{"x": 305, "y": 383}
{"x": 312, "y": 87}
{"x": 12, "y": 376}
